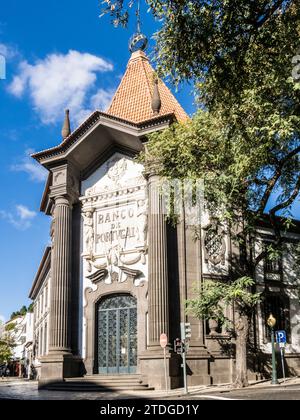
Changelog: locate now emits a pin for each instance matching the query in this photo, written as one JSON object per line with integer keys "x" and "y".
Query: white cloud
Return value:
{"x": 8, "y": 51}
{"x": 2, "y": 319}
{"x": 100, "y": 100}
{"x": 25, "y": 213}
{"x": 35, "y": 171}
{"x": 21, "y": 218}
{"x": 60, "y": 81}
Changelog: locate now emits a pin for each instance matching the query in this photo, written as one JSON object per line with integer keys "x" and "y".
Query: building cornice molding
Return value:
{"x": 41, "y": 274}
{"x": 139, "y": 129}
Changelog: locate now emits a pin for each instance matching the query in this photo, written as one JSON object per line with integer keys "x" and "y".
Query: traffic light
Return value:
{"x": 186, "y": 331}
{"x": 178, "y": 348}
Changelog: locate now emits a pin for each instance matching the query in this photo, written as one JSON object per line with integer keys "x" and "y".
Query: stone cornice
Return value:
{"x": 113, "y": 194}
{"x": 45, "y": 205}
{"x": 41, "y": 274}
{"x": 91, "y": 122}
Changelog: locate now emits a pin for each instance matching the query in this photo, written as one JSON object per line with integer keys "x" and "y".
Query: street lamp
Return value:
{"x": 271, "y": 321}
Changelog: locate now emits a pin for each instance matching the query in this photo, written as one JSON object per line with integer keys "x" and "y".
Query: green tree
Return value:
{"x": 210, "y": 302}
{"x": 22, "y": 312}
{"x": 7, "y": 343}
{"x": 238, "y": 183}
{"x": 244, "y": 141}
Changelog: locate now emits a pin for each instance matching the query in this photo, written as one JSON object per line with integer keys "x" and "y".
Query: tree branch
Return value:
{"x": 287, "y": 202}
{"x": 274, "y": 222}
{"x": 268, "y": 14}
{"x": 272, "y": 182}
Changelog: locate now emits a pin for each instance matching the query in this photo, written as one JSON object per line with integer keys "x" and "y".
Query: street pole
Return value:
{"x": 185, "y": 328}
{"x": 271, "y": 321}
{"x": 184, "y": 370}
{"x": 274, "y": 371}
{"x": 282, "y": 362}
{"x": 165, "y": 365}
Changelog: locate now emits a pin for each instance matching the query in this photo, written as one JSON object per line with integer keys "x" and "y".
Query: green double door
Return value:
{"x": 117, "y": 335}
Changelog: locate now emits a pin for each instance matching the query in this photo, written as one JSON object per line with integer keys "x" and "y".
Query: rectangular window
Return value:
{"x": 45, "y": 338}
{"x": 46, "y": 298}
{"x": 273, "y": 267}
{"x": 42, "y": 304}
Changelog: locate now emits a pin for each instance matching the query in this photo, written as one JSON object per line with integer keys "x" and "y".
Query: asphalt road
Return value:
{"x": 274, "y": 393}
{"x": 28, "y": 391}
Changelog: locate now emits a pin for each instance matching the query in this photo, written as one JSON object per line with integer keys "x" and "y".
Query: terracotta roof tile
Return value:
{"x": 132, "y": 100}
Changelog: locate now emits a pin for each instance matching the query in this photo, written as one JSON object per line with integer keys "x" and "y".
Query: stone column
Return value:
{"x": 60, "y": 333}
{"x": 61, "y": 361}
{"x": 152, "y": 361}
{"x": 158, "y": 311}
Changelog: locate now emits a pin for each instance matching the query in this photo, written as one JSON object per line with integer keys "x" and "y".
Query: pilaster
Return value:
{"x": 158, "y": 267}
{"x": 60, "y": 362}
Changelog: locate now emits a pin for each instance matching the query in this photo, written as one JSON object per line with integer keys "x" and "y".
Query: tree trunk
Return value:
{"x": 242, "y": 333}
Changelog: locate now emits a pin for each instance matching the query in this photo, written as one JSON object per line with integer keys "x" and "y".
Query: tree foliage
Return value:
{"x": 22, "y": 312}
{"x": 244, "y": 141}
{"x": 214, "y": 296}
{"x": 7, "y": 343}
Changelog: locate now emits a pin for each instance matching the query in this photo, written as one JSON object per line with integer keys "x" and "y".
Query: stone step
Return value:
{"x": 109, "y": 377}
{"x": 96, "y": 388}
{"x": 104, "y": 379}
{"x": 101, "y": 383}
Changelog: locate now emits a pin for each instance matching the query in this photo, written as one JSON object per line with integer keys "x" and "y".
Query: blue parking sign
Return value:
{"x": 281, "y": 336}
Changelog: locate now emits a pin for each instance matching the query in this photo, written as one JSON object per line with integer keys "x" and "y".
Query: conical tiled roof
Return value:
{"x": 133, "y": 98}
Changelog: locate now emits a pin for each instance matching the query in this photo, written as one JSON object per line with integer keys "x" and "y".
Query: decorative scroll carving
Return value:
{"x": 98, "y": 276}
{"x": 87, "y": 292}
{"x": 130, "y": 273}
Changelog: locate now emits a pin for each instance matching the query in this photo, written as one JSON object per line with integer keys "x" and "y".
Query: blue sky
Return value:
{"x": 59, "y": 54}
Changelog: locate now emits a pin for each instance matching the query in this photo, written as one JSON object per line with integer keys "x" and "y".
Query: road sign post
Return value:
{"x": 281, "y": 340}
{"x": 163, "y": 343}
{"x": 185, "y": 336}
{"x": 271, "y": 321}
{"x": 282, "y": 347}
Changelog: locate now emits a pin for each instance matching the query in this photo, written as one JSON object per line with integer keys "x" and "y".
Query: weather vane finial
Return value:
{"x": 138, "y": 17}
{"x": 138, "y": 41}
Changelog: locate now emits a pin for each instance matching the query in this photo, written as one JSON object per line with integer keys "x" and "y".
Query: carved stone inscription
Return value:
{"x": 121, "y": 226}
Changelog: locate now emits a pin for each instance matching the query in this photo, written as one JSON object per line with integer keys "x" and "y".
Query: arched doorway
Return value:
{"x": 117, "y": 334}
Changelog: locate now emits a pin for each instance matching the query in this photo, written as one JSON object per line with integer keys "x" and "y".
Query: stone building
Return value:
{"x": 117, "y": 275}
{"x": 19, "y": 331}
{"x": 40, "y": 294}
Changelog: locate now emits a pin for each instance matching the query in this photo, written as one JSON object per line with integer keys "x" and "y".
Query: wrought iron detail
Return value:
{"x": 117, "y": 335}
{"x": 214, "y": 244}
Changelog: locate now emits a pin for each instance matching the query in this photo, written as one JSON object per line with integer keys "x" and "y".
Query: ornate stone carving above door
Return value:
{"x": 116, "y": 168}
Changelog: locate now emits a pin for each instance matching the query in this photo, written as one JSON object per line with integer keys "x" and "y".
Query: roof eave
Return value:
{"x": 43, "y": 269}
{"x": 138, "y": 129}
